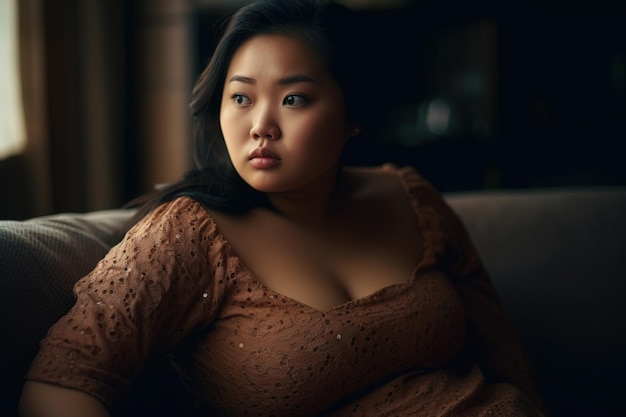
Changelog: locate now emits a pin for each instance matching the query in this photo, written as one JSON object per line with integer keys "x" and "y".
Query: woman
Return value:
{"x": 281, "y": 282}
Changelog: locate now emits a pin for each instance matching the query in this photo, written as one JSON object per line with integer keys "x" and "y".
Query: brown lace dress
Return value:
{"x": 438, "y": 345}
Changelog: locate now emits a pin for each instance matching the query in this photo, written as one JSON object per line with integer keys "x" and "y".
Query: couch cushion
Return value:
{"x": 41, "y": 260}
{"x": 557, "y": 257}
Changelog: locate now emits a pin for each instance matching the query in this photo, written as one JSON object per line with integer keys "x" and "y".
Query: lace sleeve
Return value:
{"x": 149, "y": 292}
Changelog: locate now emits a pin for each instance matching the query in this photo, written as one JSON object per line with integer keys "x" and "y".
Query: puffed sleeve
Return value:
{"x": 150, "y": 291}
{"x": 491, "y": 339}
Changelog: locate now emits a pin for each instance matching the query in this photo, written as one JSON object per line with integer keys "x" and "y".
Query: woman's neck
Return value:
{"x": 313, "y": 204}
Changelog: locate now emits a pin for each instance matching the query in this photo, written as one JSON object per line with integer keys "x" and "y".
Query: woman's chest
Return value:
{"x": 270, "y": 352}
{"x": 325, "y": 267}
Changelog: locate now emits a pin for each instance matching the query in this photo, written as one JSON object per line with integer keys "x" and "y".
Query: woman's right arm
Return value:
{"x": 46, "y": 400}
{"x": 149, "y": 292}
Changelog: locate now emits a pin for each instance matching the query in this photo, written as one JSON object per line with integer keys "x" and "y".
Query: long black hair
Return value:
{"x": 331, "y": 31}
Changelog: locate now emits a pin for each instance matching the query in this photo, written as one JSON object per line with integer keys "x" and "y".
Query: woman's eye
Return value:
{"x": 241, "y": 100}
{"x": 295, "y": 100}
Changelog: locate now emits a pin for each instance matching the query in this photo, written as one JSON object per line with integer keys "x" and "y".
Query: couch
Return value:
{"x": 557, "y": 257}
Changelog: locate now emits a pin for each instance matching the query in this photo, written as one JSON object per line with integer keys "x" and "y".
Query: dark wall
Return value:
{"x": 563, "y": 94}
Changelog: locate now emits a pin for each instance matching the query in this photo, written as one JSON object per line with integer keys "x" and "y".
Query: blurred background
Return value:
{"x": 480, "y": 95}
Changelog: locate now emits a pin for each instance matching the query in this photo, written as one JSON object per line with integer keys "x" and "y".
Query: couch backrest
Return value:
{"x": 558, "y": 260}
{"x": 557, "y": 257}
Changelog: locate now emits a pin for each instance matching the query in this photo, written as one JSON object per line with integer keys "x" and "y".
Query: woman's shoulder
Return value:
{"x": 389, "y": 180}
{"x": 393, "y": 189}
{"x": 179, "y": 213}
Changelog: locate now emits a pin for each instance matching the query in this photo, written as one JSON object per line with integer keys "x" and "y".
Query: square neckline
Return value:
{"x": 408, "y": 178}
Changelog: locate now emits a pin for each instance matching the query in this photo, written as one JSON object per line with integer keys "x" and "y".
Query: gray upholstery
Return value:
{"x": 558, "y": 258}
{"x": 41, "y": 259}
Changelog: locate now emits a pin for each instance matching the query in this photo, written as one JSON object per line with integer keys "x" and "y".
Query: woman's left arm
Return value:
{"x": 492, "y": 340}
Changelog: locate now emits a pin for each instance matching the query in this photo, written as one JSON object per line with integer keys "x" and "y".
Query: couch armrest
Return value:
{"x": 558, "y": 260}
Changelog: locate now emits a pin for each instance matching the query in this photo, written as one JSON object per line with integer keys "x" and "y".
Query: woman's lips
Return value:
{"x": 263, "y": 158}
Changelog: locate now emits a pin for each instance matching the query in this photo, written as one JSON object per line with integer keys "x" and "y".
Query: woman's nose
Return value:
{"x": 265, "y": 127}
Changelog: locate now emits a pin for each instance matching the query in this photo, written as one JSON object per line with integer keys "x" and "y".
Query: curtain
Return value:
{"x": 105, "y": 87}
{"x": 74, "y": 70}
{"x": 12, "y": 130}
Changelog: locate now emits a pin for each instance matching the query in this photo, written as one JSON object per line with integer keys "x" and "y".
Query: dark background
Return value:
{"x": 535, "y": 92}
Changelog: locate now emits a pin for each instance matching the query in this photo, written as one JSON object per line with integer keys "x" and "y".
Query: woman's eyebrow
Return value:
{"x": 292, "y": 79}
{"x": 242, "y": 79}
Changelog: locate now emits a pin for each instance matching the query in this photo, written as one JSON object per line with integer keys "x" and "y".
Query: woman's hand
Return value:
{"x": 46, "y": 400}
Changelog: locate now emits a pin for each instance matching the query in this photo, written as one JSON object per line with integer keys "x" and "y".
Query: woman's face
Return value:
{"x": 282, "y": 115}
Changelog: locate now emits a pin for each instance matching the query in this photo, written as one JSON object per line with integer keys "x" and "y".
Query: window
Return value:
{"x": 12, "y": 127}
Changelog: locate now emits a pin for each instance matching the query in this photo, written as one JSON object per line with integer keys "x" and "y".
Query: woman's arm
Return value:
{"x": 149, "y": 292}
{"x": 492, "y": 339}
{"x": 46, "y": 400}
